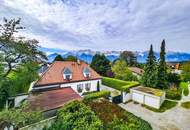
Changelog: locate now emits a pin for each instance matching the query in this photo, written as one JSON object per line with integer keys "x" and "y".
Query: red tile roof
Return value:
{"x": 52, "y": 99}
{"x": 54, "y": 74}
{"x": 136, "y": 70}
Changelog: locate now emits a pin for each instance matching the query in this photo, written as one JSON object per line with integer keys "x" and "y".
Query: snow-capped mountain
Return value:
{"x": 87, "y": 55}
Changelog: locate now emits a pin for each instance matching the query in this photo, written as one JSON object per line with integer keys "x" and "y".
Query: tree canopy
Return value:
{"x": 186, "y": 71}
{"x": 76, "y": 115}
{"x": 149, "y": 76}
{"x": 129, "y": 57}
{"x": 17, "y": 50}
{"x": 162, "y": 69}
{"x": 71, "y": 58}
{"x": 59, "y": 58}
{"x": 122, "y": 72}
{"x": 101, "y": 64}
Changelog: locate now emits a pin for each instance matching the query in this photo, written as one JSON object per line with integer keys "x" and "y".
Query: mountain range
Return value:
{"x": 86, "y": 55}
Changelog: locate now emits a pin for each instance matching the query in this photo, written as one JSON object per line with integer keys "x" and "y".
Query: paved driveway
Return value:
{"x": 176, "y": 118}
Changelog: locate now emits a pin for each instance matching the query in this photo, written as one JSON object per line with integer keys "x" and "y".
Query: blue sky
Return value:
{"x": 103, "y": 24}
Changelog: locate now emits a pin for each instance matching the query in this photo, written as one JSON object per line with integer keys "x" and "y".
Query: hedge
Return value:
{"x": 119, "y": 84}
{"x": 96, "y": 95}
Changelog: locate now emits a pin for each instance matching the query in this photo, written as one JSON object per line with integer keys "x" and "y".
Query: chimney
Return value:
{"x": 78, "y": 61}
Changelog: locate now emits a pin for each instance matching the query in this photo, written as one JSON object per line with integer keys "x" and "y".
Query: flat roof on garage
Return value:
{"x": 156, "y": 92}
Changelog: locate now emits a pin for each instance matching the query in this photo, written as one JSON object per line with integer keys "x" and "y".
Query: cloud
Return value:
{"x": 103, "y": 24}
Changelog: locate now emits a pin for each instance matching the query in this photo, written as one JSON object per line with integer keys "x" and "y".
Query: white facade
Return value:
{"x": 74, "y": 85}
{"x": 126, "y": 96}
{"x": 147, "y": 99}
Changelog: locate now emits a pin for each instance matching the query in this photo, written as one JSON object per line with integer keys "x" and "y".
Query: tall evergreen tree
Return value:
{"x": 162, "y": 69}
{"x": 149, "y": 76}
{"x": 59, "y": 58}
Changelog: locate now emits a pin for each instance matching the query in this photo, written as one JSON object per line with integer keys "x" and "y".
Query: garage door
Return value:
{"x": 138, "y": 97}
{"x": 150, "y": 101}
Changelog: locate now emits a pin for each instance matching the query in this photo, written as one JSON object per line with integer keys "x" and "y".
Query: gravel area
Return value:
{"x": 176, "y": 118}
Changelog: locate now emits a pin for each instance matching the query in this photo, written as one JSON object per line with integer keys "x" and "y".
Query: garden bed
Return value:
{"x": 119, "y": 84}
{"x": 165, "y": 106}
{"x": 114, "y": 117}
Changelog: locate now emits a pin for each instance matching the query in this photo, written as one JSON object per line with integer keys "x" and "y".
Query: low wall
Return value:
{"x": 40, "y": 125}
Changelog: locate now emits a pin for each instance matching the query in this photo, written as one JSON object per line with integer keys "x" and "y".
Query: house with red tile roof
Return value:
{"x": 62, "y": 82}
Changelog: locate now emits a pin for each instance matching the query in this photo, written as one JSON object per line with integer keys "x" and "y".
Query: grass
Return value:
{"x": 119, "y": 84}
{"x": 165, "y": 106}
{"x": 107, "y": 112}
{"x": 186, "y": 105}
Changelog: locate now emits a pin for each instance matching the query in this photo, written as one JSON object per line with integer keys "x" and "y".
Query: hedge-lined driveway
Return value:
{"x": 176, "y": 118}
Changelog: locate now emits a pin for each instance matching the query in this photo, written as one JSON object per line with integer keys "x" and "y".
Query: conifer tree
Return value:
{"x": 162, "y": 69}
{"x": 149, "y": 76}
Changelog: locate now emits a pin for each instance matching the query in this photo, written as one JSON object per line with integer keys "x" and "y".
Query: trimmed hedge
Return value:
{"x": 173, "y": 94}
{"x": 96, "y": 95}
{"x": 119, "y": 84}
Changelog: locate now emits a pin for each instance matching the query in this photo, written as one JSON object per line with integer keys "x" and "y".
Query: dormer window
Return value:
{"x": 67, "y": 74}
{"x": 86, "y": 72}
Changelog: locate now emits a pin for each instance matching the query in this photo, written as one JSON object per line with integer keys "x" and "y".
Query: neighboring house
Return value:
{"x": 175, "y": 67}
{"x": 62, "y": 82}
{"x": 136, "y": 71}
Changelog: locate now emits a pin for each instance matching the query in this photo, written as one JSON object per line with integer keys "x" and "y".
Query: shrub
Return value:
{"x": 173, "y": 94}
{"x": 76, "y": 115}
{"x": 96, "y": 95}
{"x": 186, "y": 105}
{"x": 114, "y": 117}
{"x": 186, "y": 91}
{"x": 20, "y": 118}
{"x": 119, "y": 84}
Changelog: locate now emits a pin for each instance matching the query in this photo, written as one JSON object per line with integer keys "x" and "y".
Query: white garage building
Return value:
{"x": 148, "y": 96}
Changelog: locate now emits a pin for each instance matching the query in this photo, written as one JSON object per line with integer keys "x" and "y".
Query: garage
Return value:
{"x": 148, "y": 96}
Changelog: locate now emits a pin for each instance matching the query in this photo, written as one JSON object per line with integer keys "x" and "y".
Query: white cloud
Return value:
{"x": 104, "y": 24}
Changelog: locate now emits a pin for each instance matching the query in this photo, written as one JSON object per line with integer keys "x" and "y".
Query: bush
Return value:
{"x": 114, "y": 117}
{"x": 119, "y": 84}
{"x": 186, "y": 91}
{"x": 186, "y": 105}
{"x": 20, "y": 118}
{"x": 96, "y": 95}
{"x": 173, "y": 94}
{"x": 76, "y": 115}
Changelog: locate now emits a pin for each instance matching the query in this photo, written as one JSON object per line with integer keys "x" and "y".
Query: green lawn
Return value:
{"x": 119, "y": 84}
{"x": 165, "y": 106}
{"x": 186, "y": 105}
